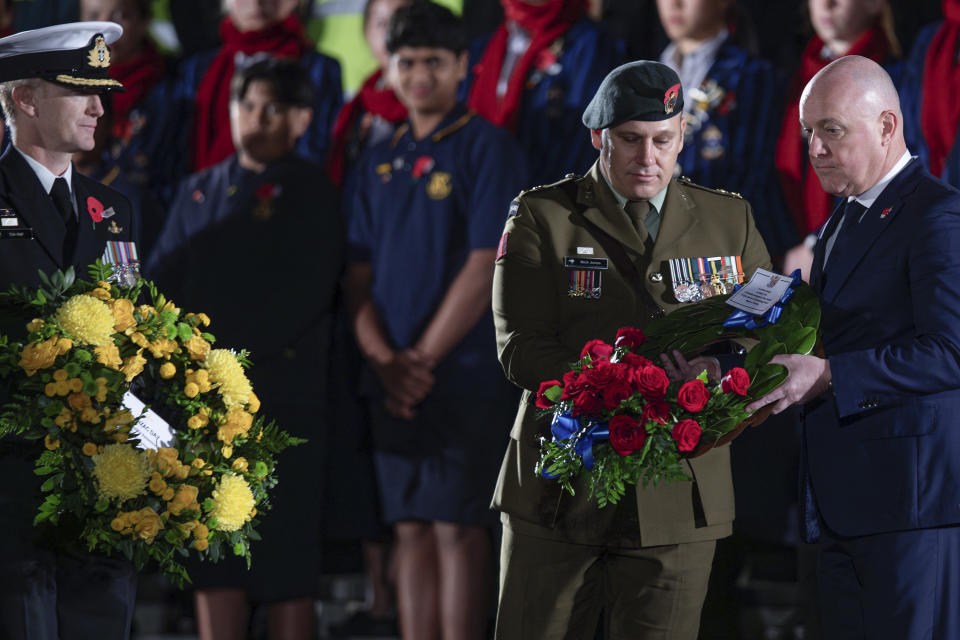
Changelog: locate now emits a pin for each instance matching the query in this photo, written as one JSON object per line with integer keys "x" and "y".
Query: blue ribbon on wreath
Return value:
{"x": 740, "y": 318}
{"x": 567, "y": 427}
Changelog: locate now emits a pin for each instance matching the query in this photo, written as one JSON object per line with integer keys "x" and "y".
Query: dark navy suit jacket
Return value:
{"x": 882, "y": 450}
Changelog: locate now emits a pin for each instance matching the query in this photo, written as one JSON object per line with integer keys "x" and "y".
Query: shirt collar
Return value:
{"x": 868, "y": 197}
{"x": 656, "y": 201}
{"x": 46, "y": 176}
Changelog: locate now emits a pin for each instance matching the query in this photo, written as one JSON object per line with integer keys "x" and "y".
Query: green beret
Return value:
{"x": 642, "y": 90}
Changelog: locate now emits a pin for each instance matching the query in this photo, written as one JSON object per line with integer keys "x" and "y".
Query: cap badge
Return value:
{"x": 670, "y": 98}
{"x": 99, "y": 55}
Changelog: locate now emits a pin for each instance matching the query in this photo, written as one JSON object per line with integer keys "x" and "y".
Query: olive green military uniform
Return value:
{"x": 646, "y": 561}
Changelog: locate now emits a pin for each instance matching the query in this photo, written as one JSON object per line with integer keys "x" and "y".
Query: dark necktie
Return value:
{"x": 645, "y": 219}
{"x": 60, "y": 194}
{"x": 845, "y": 238}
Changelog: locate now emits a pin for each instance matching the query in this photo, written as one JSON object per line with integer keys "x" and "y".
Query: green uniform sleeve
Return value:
{"x": 525, "y": 308}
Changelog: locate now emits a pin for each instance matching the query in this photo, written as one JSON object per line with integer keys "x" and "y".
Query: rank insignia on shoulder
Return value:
{"x": 695, "y": 279}
{"x": 514, "y": 207}
{"x": 502, "y": 247}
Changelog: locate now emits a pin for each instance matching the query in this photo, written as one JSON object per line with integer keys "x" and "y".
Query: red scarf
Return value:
{"x": 211, "y": 135}
{"x": 940, "y": 111}
{"x": 545, "y": 23}
{"x": 807, "y": 200}
{"x": 370, "y": 99}
{"x": 138, "y": 75}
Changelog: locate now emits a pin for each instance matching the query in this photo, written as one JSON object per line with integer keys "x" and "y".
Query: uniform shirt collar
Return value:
{"x": 868, "y": 197}
{"x": 46, "y": 176}
{"x": 693, "y": 67}
{"x": 656, "y": 201}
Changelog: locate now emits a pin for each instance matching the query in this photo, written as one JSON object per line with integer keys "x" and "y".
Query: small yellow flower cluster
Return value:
{"x": 167, "y": 370}
{"x": 144, "y": 524}
{"x": 42, "y": 355}
{"x": 237, "y": 423}
{"x": 87, "y": 319}
{"x": 166, "y": 462}
{"x": 35, "y": 325}
{"x": 200, "y": 419}
{"x": 228, "y": 376}
{"x": 121, "y": 472}
{"x": 197, "y": 382}
{"x": 62, "y": 384}
{"x": 233, "y": 503}
{"x": 198, "y": 530}
{"x": 200, "y": 463}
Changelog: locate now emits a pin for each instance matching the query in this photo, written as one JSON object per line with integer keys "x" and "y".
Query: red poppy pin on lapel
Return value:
{"x": 95, "y": 209}
{"x": 885, "y": 213}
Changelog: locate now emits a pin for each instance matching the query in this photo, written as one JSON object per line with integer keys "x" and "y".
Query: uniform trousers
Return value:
{"x": 903, "y": 585}
{"x": 556, "y": 590}
{"x": 48, "y": 595}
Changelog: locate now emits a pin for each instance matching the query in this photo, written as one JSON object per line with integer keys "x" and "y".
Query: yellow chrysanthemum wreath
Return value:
{"x": 89, "y": 344}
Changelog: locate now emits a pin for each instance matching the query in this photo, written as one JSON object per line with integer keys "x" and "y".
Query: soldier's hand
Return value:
{"x": 807, "y": 377}
{"x": 688, "y": 370}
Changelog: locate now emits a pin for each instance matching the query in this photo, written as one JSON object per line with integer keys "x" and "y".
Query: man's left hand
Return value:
{"x": 807, "y": 377}
{"x": 688, "y": 370}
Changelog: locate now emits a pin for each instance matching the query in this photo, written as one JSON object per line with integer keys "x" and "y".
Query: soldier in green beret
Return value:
{"x": 578, "y": 260}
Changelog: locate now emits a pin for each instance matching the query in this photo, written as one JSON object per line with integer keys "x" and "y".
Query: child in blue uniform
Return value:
{"x": 535, "y": 75}
{"x": 426, "y": 216}
{"x": 733, "y": 109}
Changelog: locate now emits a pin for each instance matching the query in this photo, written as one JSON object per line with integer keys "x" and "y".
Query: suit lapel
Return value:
{"x": 28, "y": 199}
{"x": 603, "y": 210}
{"x": 676, "y": 220}
{"x": 875, "y": 220}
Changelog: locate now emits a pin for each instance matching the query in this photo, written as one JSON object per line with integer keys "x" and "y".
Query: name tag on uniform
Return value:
{"x": 695, "y": 279}
{"x": 12, "y": 226}
{"x": 585, "y": 263}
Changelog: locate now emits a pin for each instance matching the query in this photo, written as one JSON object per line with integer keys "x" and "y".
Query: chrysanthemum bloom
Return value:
{"x": 232, "y": 503}
{"x": 121, "y": 471}
{"x": 87, "y": 319}
{"x": 227, "y": 374}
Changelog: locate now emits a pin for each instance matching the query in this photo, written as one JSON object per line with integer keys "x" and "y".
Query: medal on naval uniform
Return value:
{"x": 585, "y": 277}
{"x": 124, "y": 259}
{"x": 695, "y": 279}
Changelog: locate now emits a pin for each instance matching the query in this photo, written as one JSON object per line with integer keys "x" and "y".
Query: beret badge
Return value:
{"x": 670, "y": 98}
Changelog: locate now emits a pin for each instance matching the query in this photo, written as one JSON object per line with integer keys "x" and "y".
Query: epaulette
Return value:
{"x": 515, "y": 204}
{"x": 687, "y": 182}
{"x": 567, "y": 178}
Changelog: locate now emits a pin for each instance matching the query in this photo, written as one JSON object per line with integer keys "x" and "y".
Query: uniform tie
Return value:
{"x": 60, "y": 194}
{"x": 645, "y": 218}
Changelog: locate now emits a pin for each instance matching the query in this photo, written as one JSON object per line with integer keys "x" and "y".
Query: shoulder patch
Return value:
{"x": 687, "y": 182}
{"x": 514, "y": 205}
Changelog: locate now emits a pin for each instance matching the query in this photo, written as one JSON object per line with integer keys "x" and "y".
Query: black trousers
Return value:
{"x": 45, "y": 595}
